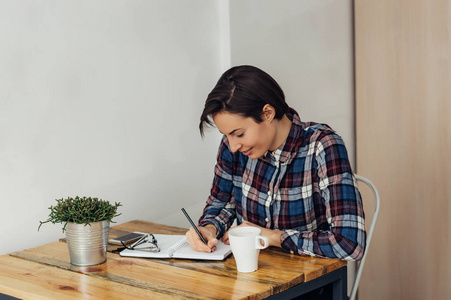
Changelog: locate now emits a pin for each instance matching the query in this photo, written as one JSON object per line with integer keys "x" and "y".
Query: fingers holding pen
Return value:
{"x": 200, "y": 241}
{"x": 207, "y": 234}
{"x": 196, "y": 243}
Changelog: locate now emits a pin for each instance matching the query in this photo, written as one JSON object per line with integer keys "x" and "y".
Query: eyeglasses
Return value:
{"x": 146, "y": 243}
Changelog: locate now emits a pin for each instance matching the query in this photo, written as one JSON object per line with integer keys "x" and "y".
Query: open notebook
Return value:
{"x": 176, "y": 246}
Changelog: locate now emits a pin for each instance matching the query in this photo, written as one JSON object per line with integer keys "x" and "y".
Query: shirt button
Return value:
{"x": 292, "y": 252}
{"x": 267, "y": 220}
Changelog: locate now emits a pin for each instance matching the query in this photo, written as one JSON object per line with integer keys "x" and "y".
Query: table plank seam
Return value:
{"x": 115, "y": 278}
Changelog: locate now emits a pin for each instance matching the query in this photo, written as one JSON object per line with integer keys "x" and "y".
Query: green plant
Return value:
{"x": 83, "y": 210}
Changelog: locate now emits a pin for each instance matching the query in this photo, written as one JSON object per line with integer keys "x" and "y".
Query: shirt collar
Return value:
{"x": 288, "y": 149}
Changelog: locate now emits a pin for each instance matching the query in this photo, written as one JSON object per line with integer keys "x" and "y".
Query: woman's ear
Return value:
{"x": 268, "y": 113}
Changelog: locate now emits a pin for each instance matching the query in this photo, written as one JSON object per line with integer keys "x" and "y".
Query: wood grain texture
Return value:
{"x": 403, "y": 98}
{"x": 29, "y": 280}
{"x": 186, "y": 279}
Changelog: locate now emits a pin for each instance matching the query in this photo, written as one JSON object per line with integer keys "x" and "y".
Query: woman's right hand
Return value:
{"x": 209, "y": 234}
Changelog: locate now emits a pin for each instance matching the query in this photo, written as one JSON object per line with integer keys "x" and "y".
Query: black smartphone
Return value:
{"x": 127, "y": 238}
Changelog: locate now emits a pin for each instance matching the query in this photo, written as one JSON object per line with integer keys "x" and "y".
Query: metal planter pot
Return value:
{"x": 87, "y": 244}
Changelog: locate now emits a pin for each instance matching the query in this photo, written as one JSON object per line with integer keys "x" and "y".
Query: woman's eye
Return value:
{"x": 240, "y": 135}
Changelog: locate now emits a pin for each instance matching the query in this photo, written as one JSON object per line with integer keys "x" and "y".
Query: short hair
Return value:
{"x": 244, "y": 90}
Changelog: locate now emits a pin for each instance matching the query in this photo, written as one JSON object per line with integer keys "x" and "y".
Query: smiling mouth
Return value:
{"x": 247, "y": 152}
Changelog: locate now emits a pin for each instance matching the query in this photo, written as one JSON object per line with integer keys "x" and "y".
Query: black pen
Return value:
{"x": 194, "y": 226}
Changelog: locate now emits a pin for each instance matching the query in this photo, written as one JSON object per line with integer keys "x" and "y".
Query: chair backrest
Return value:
{"x": 355, "y": 286}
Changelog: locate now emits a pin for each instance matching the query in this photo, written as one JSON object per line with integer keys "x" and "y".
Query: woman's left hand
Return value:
{"x": 272, "y": 235}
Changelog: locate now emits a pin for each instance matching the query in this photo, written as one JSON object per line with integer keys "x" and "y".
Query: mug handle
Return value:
{"x": 258, "y": 244}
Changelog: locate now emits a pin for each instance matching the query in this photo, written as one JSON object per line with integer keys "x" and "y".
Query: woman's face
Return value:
{"x": 245, "y": 135}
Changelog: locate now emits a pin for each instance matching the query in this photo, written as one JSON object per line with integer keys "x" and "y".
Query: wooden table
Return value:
{"x": 44, "y": 272}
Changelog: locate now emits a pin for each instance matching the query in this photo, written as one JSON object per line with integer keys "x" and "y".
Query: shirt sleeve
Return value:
{"x": 344, "y": 237}
{"x": 220, "y": 207}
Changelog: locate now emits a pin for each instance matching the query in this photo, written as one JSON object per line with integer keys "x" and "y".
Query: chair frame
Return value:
{"x": 355, "y": 286}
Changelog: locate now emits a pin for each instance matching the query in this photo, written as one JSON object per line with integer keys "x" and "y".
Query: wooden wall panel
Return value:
{"x": 403, "y": 82}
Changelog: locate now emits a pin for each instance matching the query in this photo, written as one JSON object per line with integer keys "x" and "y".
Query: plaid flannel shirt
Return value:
{"x": 305, "y": 188}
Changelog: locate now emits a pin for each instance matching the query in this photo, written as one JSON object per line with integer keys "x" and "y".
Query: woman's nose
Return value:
{"x": 234, "y": 147}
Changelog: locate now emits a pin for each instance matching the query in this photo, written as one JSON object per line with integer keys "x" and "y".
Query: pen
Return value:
{"x": 194, "y": 226}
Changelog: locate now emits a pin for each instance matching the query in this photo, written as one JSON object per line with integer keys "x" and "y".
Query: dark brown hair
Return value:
{"x": 244, "y": 90}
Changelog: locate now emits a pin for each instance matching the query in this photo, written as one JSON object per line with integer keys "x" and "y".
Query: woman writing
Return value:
{"x": 290, "y": 178}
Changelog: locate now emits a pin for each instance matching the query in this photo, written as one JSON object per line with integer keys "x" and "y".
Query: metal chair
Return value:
{"x": 355, "y": 286}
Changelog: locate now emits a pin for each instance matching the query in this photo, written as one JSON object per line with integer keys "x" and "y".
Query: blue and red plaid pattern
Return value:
{"x": 305, "y": 188}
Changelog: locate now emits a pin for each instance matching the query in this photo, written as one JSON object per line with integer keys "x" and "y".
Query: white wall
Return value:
{"x": 103, "y": 98}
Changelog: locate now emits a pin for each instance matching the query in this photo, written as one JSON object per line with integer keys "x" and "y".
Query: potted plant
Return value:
{"x": 86, "y": 224}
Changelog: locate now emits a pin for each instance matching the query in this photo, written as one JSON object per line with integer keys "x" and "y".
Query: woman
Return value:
{"x": 290, "y": 178}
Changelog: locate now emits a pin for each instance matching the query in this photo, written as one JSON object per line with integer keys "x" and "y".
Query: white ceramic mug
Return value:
{"x": 246, "y": 243}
